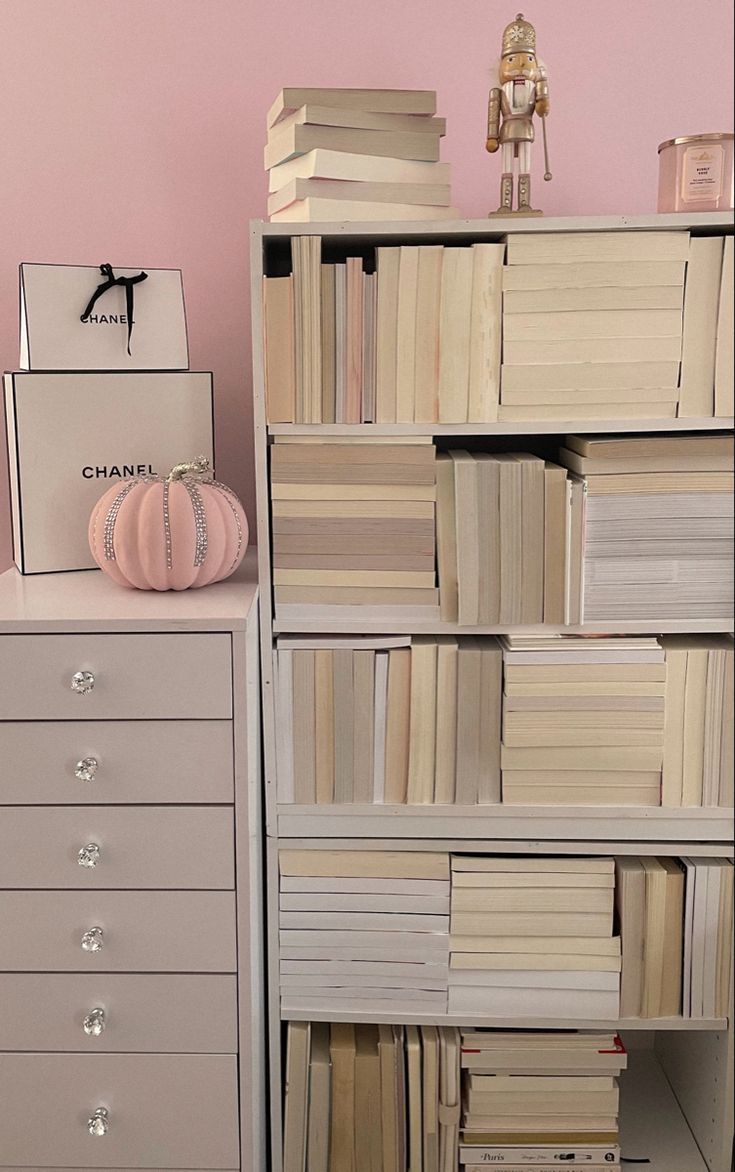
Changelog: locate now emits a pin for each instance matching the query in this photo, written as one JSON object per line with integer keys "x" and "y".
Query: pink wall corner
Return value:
{"x": 133, "y": 132}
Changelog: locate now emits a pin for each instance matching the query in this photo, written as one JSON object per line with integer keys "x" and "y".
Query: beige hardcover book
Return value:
{"x": 469, "y": 691}
{"x": 556, "y": 508}
{"x": 673, "y": 952}
{"x": 387, "y": 1046}
{"x": 304, "y": 731}
{"x": 701, "y": 300}
{"x": 296, "y": 1101}
{"x": 725, "y": 327}
{"x": 454, "y": 336}
{"x": 446, "y": 538}
{"x": 421, "y": 194}
{"x": 324, "y": 726}
{"x": 363, "y": 674}
{"x": 466, "y": 508}
{"x": 329, "y": 341}
{"x": 585, "y": 325}
{"x": 485, "y": 332}
{"x": 387, "y": 260}
{"x": 532, "y": 538}
{"x": 343, "y": 1053}
{"x": 379, "y": 101}
{"x": 491, "y": 687}
{"x": 408, "y": 273}
{"x": 365, "y": 864}
{"x": 591, "y": 350}
{"x": 343, "y": 698}
{"x": 595, "y": 298}
{"x": 630, "y": 900}
{"x": 593, "y": 275}
{"x": 695, "y": 702}
{"x": 672, "y": 777}
{"x": 279, "y": 348}
{"x": 320, "y": 1088}
{"x": 653, "y": 937}
{"x": 487, "y": 476}
{"x": 430, "y": 1079}
{"x": 354, "y": 341}
{"x": 342, "y": 165}
{"x": 541, "y": 248}
{"x": 393, "y": 144}
{"x": 306, "y": 255}
{"x": 368, "y": 1126}
{"x": 422, "y": 723}
{"x": 414, "y": 1100}
{"x": 511, "y": 539}
{"x": 428, "y": 306}
{"x": 446, "y": 721}
{"x": 398, "y": 726}
{"x": 614, "y": 377}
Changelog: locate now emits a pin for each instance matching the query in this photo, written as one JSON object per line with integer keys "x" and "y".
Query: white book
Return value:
{"x": 313, "y": 210}
{"x": 363, "y": 921}
{"x": 402, "y": 193}
{"x": 341, "y": 642}
{"x": 709, "y": 974}
{"x": 344, "y": 984}
{"x": 544, "y": 1158}
{"x": 379, "y": 727}
{"x": 365, "y": 886}
{"x": 485, "y": 333}
{"x": 340, "y": 342}
{"x": 283, "y": 689}
{"x": 326, "y": 164}
{"x": 588, "y": 981}
{"x": 699, "y": 937}
{"x": 567, "y": 1004}
{"x": 691, "y": 879}
{"x": 299, "y": 953}
{"x": 430, "y": 1004}
{"x": 365, "y": 968}
{"x": 596, "y": 247}
{"x": 332, "y": 902}
{"x": 426, "y": 945}
{"x": 724, "y": 391}
{"x": 696, "y": 392}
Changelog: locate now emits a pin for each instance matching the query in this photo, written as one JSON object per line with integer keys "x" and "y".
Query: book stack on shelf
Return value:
{"x": 348, "y": 154}
{"x": 515, "y": 925}
{"x": 698, "y": 763}
{"x": 535, "y": 1099}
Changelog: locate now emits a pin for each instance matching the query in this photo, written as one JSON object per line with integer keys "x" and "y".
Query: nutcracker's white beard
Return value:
{"x": 495, "y": 82}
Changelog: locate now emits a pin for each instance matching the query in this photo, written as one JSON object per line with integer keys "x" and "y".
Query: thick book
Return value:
{"x": 386, "y": 327}
{"x": 320, "y": 1085}
{"x": 455, "y": 333}
{"x": 724, "y": 390}
{"x": 368, "y": 1103}
{"x": 279, "y": 348}
{"x": 394, "y": 144}
{"x": 316, "y": 114}
{"x": 296, "y": 1100}
{"x": 422, "y": 721}
{"x": 421, "y": 194}
{"x": 378, "y": 100}
{"x": 349, "y": 167}
{"x": 701, "y": 301}
{"x": 316, "y": 210}
{"x": 408, "y": 275}
{"x": 343, "y": 1053}
{"x": 426, "y": 336}
{"x": 591, "y": 274}
{"x": 485, "y": 339}
{"x": 540, "y": 248}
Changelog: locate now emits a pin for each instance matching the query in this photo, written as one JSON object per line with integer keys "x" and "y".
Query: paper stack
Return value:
{"x": 348, "y": 154}
{"x": 699, "y": 766}
{"x": 364, "y": 931}
{"x": 530, "y": 1099}
{"x": 533, "y": 938}
{"x": 659, "y": 526}
{"x": 583, "y": 720}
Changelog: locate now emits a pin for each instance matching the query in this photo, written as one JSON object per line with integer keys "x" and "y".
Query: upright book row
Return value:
{"x": 543, "y": 326}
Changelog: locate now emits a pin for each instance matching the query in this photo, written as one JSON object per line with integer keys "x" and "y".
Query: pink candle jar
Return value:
{"x": 695, "y": 173}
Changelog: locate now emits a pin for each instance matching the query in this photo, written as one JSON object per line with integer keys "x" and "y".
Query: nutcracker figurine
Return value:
{"x": 522, "y": 91}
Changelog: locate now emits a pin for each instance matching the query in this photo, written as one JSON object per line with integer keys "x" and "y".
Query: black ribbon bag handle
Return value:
{"x": 110, "y": 282}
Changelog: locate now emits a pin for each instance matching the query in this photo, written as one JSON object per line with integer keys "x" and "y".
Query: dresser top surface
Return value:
{"x": 90, "y": 601}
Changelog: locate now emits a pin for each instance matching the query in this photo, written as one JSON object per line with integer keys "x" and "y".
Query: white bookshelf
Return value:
{"x": 677, "y": 1094}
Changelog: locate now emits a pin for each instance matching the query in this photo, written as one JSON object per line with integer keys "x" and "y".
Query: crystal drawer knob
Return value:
{"x": 94, "y": 1023}
{"x": 89, "y": 855}
{"x": 82, "y": 682}
{"x": 99, "y": 1123}
{"x": 93, "y": 939}
{"x": 86, "y": 769}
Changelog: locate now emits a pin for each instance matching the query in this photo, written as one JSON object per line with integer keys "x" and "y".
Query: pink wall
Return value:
{"x": 132, "y": 132}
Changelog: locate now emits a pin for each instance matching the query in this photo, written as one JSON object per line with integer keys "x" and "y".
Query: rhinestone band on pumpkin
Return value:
{"x": 200, "y": 522}
{"x": 111, "y": 518}
{"x": 227, "y": 493}
{"x": 167, "y": 526}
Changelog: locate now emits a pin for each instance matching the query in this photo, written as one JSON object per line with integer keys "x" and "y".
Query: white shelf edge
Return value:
{"x": 480, "y": 1021}
{"x": 528, "y": 845}
{"x": 406, "y": 626}
{"x": 511, "y": 427}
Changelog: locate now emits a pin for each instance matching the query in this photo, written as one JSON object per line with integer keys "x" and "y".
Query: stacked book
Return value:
{"x": 675, "y": 919}
{"x": 706, "y": 378}
{"x": 350, "y": 154}
{"x": 583, "y": 720}
{"x": 698, "y": 766}
{"x": 533, "y": 937}
{"x": 659, "y": 526}
{"x": 353, "y": 525}
{"x": 389, "y": 720}
{"x": 531, "y": 1100}
{"x": 592, "y": 325}
{"x": 364, "y": 931}
{"x": 371, "y": 1098}
{"x": 505, "y": 539}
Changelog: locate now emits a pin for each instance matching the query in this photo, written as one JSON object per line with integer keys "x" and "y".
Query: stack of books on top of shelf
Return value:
{"x": 388, "y": 720}
{"x": 583, "y": 720}
{"x": 699, "y": 762}
{"x": 658, "y": 540}
{"x": 533, "y": 938}
{"x": 353, "y": 524}
{"x": 364, "y": 931}
{"x": 531, "y": 1099}
{"x": 374, "y": 1097}
{"x": 675, "y": 919}
{"x": 349, "y": 154}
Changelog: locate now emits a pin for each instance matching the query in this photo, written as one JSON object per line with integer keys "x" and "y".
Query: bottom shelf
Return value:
{"x": 652, "y": 1125}
{"x": 509, "y": 1023}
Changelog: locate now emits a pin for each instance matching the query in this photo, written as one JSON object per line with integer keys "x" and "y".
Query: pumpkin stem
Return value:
{"x": 197, "y": 467}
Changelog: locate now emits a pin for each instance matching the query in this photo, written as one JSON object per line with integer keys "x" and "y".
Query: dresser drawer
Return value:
{"x": 149, "y": 1013}
{"x": 123, "y": 761}
{"x": 133, "y": 677}
{"x": 163, "y": 1111}
{"x": 99, "y": 847}
{"x": 143, "y": 931}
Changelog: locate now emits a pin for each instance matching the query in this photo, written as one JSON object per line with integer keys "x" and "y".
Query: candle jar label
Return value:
{"x": 701, "y": 177}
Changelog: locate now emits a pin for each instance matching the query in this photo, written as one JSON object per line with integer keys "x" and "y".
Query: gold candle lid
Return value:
{"x": 695, "y": 138}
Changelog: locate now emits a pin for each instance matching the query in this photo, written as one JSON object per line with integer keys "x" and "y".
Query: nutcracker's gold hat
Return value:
{"x": 519, "y": 37}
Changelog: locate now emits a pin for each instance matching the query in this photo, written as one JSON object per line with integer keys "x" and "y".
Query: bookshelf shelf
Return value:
{"x": 537, "y": 427}
{"x": 510, "y": 1023}
{"x": 405, "y": 626}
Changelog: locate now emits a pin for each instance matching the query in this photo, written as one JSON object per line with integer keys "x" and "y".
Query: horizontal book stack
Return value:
{"x": 675, "y": 919}
{"x": 504, "y": 539}
{"x": 658, "y": 540}
{"x": 353, "y": 525}
{"x": 390, "y": 720}
{"x": 533, "y": 938}
{"x": 699, "y": 765}
{"x": 583, "y": 720}
{"x": 350, "y": 154}
{"x": 364, "y": 931}
{"x": 371, "y": 1098}
{"x": 530, "y": 1099}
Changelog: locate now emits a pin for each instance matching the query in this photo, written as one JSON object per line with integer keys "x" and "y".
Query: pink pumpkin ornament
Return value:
{"x": 169, "y": 533}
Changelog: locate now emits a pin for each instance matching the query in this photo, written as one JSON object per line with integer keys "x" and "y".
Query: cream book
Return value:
{"x": 350, "y": 167}
{"x": 320, "y": 1083}
{"x": 397, "y": 736}
{"x": 378, "y": 100}
{"x": 541, "y": 248}
{"x": 296, "y": 1096}
{"x": 446, "y": 538}
{"x": 368, "y": 1105}
{"x": 584, "y": 325}
{"x": 701, "y": 301}
{"x": 387, "y": 262}
{"x": 606, "y": 298}
{"x": 316, "y": 210}
{"x": 485, "y": 333}
{"x": 426, "y": 194}
{"x": 426, "y": 337}
{"x": 315, "y": 114}
{"x": 366, "y": 864}
{"x": 422, "y": 721}
{"x": 455, "y": 333}
{"x": 414, "y": 1097}
{"x": 522, "y": 352}
{"x": 343, "y": 1053}
{"x": 592, "y": 274}
{"x": 408, "y": 275}
{"x": 724, "y": 391}
{"x": 280, "y": 359}
{"x": 613, "y": 377}
{"x": 398, "y": 144}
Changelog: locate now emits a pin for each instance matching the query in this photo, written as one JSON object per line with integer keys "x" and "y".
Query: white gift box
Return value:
{"x": 71, "y": 436}
{"x": 139, "y": 324}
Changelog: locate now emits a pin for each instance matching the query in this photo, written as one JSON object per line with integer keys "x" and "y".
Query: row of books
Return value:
{"x": 544, "y": 326}
{"x": 356, "y": 154}
{"x": 371, "y": 932}
{"x": 523, "y": 720}
{"x": 562, "y": 1089}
